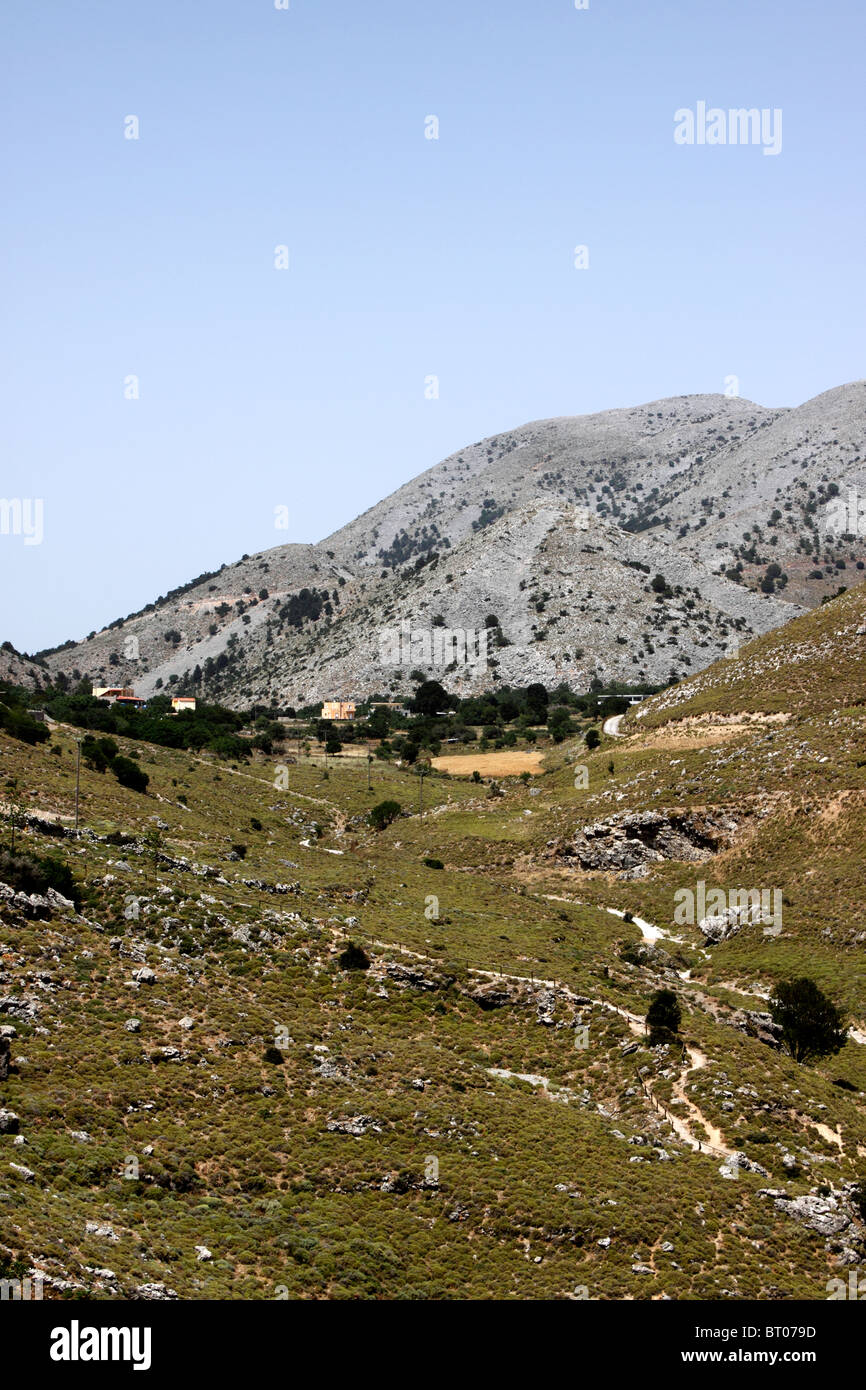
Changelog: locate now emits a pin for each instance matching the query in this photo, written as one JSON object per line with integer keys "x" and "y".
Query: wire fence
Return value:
{"x": 698, "y": 1145}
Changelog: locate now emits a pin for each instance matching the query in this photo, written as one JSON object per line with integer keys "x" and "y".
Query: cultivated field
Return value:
{"x": 507, "y": 762}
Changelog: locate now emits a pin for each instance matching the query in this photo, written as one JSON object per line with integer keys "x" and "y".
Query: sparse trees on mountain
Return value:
{"x": 811, "y": 1024}
{"x": 384, "y": 813}
{"x": 536, "y": 702}
{"x": 663, "y": 1016}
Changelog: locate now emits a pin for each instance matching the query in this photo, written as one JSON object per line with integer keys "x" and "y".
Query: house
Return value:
{"x": 118, "y": 695}
{"x": 338, "y": 709}
{"x": 182, "y": 702}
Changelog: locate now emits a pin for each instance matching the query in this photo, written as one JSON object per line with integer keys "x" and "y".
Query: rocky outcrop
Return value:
{"x": 826, "y": 1215}
{"x": 413, "y": 976}
{"x": 353, "y": 1124}
{"x": 633, "y": 839}
{"x": 493, "y": 994}
{"x": 758, "y": 1025}
{"x": 722, "y": 925}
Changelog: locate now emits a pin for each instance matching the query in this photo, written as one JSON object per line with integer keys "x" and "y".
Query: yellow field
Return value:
{"x": 504, "y": 763}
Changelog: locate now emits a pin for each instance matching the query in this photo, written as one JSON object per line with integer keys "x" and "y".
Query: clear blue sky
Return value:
{"x": 408, "y": 257}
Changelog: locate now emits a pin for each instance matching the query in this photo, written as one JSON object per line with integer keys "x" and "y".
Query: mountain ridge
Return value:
{"x": 708, "y": 491}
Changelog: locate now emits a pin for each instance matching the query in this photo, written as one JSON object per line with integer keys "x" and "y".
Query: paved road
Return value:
{"x": 611, "y": 726}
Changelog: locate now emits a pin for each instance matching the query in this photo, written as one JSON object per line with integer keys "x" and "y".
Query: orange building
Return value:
{"x": 338, "y": 709}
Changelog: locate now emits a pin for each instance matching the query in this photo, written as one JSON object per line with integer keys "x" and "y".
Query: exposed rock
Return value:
{"x": 58, "y": 901}
{"x": 491, "y": 995}
{"x": 822, "y": 1214}
{"x": 144, "y": 975}
{"x": 722, "y": 925}
{"x": 748, "y": 1165}
{"x": 632, "y": 839}
{"x": 546, "y": 1007}
{"x": 102, "y": 1229}
{"x": 153, "y": 1292}
{"x": 414, "y": 976}
{"x": 8, "y": 1122}
{"x": 133, "y": 1025}
{"x": 353, "y": 1124}
{"x": 757, "y": 1024}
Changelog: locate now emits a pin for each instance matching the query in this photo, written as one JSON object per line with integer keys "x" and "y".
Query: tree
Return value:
{"x": 811, "y": 1024}
{"x": 353, "y": 957}
{"x": 384, "y": 813}
{"x": 593, "y": 738}
{"x": 663, "y": 1016}
{"x": 333, "y": 744}
{"x": 129, "y": 774}
{"x": 558, "y": 724}
{"x": 536, "y": 702}
{"x": 429, "y": 698}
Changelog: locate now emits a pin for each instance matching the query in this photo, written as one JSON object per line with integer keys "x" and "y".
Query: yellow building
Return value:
{"x": 338, "y": 709}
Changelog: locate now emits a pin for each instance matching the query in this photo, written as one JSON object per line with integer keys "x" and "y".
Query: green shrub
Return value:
{"x": 129, "y": 774}
{"x": 354, "y": 957}
{"x": 384, "y": 813}
{"x": 31, "y": 873}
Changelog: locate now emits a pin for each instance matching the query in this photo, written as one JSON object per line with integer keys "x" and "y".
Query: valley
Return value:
{"x": 261, "y": 1048}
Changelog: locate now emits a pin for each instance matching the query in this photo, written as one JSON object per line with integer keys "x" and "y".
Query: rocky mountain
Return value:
{"x": 631, "y": 544}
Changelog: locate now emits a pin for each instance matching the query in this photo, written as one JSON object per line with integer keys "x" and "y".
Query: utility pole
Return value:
{"x": 421, "y": 795}
{"x": 369, "y": 763}
{"x": 77, "y": 782}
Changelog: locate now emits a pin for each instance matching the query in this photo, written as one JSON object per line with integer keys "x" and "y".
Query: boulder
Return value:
{"x": 353, "y": 1124}
{"x": 491, "y": 995}
{"x": 822, "y": 1214}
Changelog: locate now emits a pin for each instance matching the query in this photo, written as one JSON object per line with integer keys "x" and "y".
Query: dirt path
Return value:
{"x": 696, "y": 1058}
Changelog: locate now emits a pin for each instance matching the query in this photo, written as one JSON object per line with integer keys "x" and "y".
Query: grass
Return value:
{"x": 196, "y": 1136}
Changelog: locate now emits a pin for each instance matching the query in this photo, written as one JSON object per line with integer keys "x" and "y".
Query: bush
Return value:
{"x": 354, "y": 957}
{"x": 434, "y": 864}
{"x": 663, "y": 1015}
{"x": 129, "y": 774}
{"x": 384, "y": 813}
{"x": 32, "y": 873}
{"x": 593, "y": 738}
{"x": 19, "y": 724}
{"x": 274, "y": 1056}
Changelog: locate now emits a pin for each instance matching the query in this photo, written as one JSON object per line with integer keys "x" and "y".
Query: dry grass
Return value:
{"x": 505, "y": 763}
